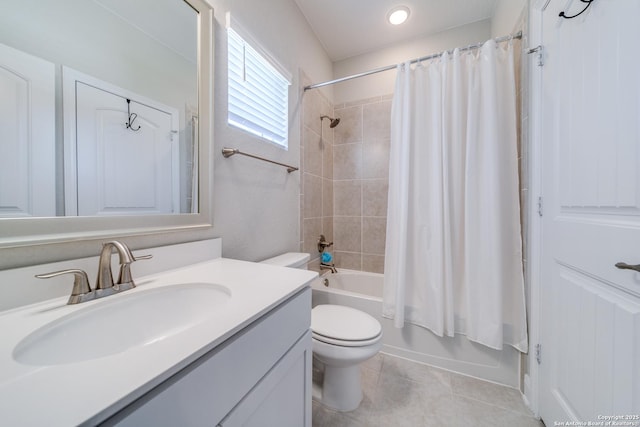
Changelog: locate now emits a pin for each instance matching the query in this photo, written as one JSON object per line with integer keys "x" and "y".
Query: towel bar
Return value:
{"x": 228, "y": 152}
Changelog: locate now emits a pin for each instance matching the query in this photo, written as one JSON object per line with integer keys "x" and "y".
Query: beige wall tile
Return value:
{"x": 316, "y": 163}
{"x": 313, "y": 152}
{"x": 301, "y": 216}
{"x": 312, "y": 231}
{"x": 326, "y": 109}
{"x": 373, "y": 235}
{"x": 350, "y": 127}
{"x": 345, "y": 174}
{"x": 347, "y": 197}
{"x": 327, "y": 161}
{"x": 347, "y": 234}
{"x": 376, "y": 119}
{"x": 350, "y": 260}
{"x": 312, "y": 196}
{"x": 327, "y": 197}
{"x": 373, "y": 263}
{"x": 312, "y": 109}
{"x": 375, "y": 159}
{"x": 374, "y": 197}
{"x": 363, "y": 101}
{"x": 347, "y": 161}
{"x": 327, "y": 230}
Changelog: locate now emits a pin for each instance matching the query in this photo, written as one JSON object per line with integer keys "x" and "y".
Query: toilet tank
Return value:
{"x": 290, "y": 259}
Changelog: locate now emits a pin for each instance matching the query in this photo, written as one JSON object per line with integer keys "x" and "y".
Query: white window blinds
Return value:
{"x": 258, "y": 93}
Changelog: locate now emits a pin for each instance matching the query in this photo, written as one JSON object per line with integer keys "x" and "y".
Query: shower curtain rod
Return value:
{"x": 518, "y": 35}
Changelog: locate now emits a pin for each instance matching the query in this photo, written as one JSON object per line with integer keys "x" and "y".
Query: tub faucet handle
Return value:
{"x": 323, "y": 244}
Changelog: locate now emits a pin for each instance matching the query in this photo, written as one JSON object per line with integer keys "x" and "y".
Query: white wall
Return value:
{"x": 383, "y": 83}
{"x": 256, "y": 204}
{"x": 506, "y": 15}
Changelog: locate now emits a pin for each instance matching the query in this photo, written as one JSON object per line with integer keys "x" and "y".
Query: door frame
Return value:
{"x": 536, "y": 200}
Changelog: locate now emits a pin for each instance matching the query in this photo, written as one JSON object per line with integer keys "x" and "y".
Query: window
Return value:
{"x": 258, "y": 93}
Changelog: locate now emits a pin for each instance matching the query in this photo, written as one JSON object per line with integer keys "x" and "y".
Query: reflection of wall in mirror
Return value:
{"x": 150, "y": 53}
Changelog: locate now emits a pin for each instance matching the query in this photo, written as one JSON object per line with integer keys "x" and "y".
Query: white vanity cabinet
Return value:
{"x": 261, "y": 376}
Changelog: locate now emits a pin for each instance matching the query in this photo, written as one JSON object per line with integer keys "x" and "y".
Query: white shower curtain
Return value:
{"x": 454, "y": 251}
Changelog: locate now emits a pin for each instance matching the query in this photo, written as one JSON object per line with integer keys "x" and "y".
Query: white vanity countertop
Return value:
{"x": 92, "y": 390}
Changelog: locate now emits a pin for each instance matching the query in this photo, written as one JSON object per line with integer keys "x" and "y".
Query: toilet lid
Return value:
{"x": 337, "y": 322}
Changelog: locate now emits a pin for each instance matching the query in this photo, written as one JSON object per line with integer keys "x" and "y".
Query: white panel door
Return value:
{"x": 27, "y": 135}
{"x": 590, "y": 310}
{"x": 121, "y": 171}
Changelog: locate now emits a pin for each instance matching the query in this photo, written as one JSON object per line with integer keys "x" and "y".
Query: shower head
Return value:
{"x": 332, "y": 122}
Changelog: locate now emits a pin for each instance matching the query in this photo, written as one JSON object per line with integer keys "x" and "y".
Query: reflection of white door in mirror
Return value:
{"x": 119, "y": 169}
{"x": 27, "y": 144}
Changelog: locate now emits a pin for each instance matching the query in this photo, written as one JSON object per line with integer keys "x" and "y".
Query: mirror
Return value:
{"x": 108, "y": 126}
{"x": 100, "y": 110}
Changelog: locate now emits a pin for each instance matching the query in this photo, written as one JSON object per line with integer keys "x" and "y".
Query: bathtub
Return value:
{"x": 363, "y": 291}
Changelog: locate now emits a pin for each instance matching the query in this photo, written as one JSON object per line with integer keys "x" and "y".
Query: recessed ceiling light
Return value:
{"x": 398, "y": 15}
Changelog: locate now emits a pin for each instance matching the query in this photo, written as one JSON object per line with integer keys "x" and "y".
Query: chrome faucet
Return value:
{"x": 331, "y": 267}
{"x": 104, "y": 283}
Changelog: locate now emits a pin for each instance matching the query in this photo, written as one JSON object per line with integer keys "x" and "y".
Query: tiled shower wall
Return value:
{"x": 345, "y": 180}
{"x": 316, "y": 160}
{"x": 360, "y": 183}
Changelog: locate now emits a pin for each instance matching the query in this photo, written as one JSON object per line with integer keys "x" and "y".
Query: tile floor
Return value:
{"x": 400, "y": 393}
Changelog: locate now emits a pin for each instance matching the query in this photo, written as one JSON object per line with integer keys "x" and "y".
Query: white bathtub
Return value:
{"x": 363, "y": 291}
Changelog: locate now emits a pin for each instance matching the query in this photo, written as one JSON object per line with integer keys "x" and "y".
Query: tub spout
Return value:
{"x": 331, "y": 267}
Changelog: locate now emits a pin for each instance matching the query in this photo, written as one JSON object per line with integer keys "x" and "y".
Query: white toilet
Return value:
{"x": 343, "y": 337}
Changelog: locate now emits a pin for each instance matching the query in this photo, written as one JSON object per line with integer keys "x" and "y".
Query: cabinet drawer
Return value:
{"x": 205, "y": 391}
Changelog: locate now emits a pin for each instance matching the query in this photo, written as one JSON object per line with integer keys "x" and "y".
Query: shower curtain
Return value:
{"x": 453, "y": 251}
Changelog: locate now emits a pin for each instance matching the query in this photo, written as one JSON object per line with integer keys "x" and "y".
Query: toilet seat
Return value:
{"x": 344, "y": 326}
{"x": 343, "y": 343}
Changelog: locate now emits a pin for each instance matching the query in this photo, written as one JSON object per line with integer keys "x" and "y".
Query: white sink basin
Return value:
{"x": 117, "y": 323}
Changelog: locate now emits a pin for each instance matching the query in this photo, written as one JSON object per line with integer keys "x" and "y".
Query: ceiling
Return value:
{"x": 352, "y": 27}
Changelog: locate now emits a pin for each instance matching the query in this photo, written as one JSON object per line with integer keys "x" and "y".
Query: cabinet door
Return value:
{"x": 283, "y": 397}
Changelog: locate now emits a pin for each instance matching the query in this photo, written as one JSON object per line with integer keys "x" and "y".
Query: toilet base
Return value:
{"x": 341, "y": 389}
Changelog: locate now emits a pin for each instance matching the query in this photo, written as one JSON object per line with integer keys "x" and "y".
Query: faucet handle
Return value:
{"x": 322, "y": 243}
{"x": 125, "y": 281}
{"x": 81, "y": 289}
